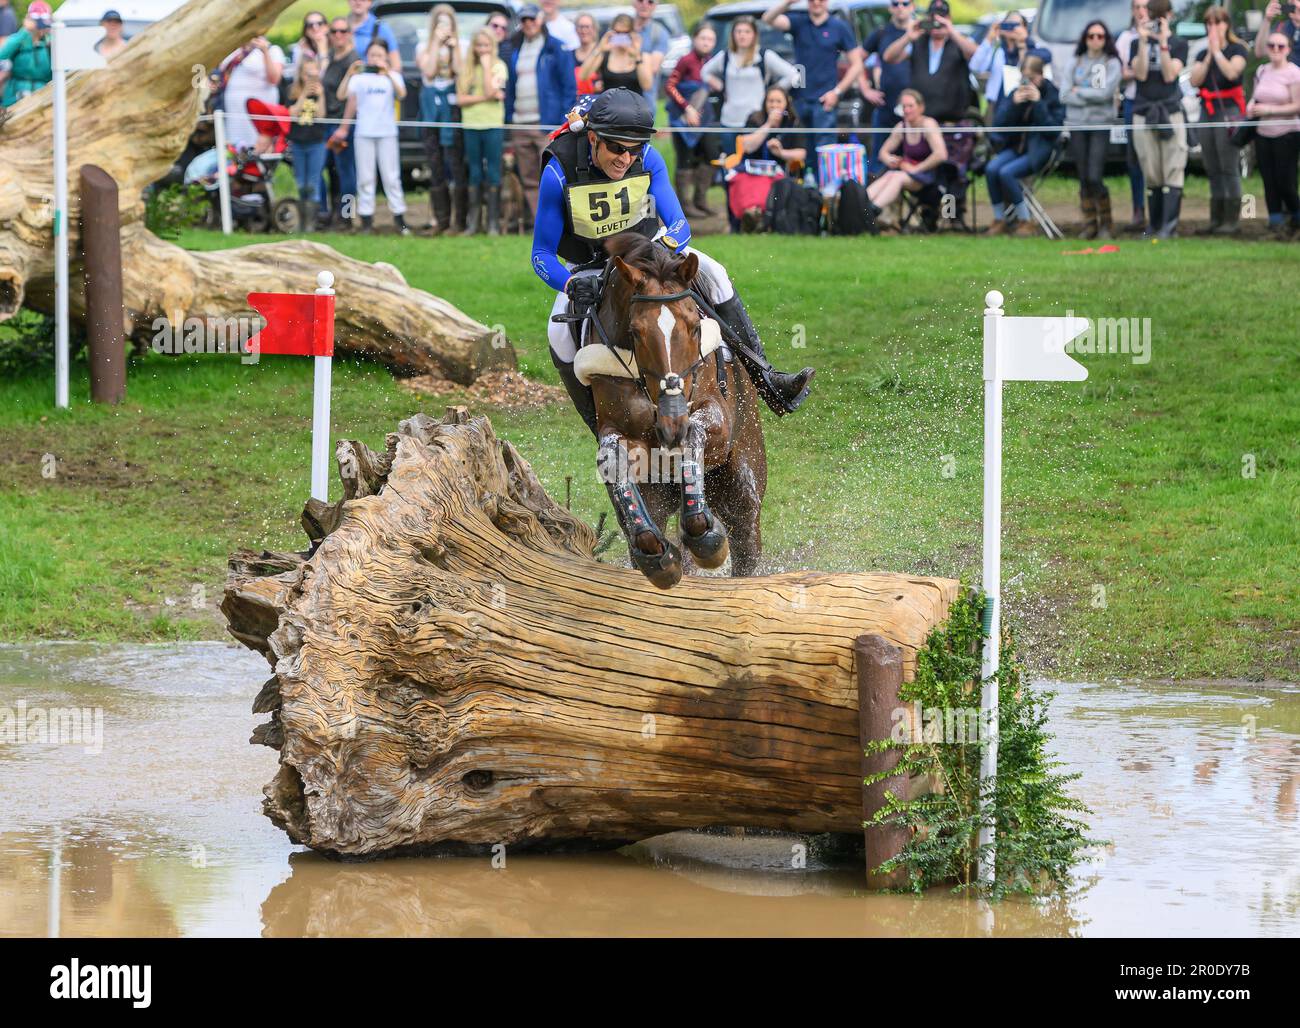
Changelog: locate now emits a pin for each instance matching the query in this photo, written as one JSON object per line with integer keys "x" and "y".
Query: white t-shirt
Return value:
{"x": 565, "y": 31}
{"x": 248, "y": 82}
{"x": 527, "y": 105}
{"x": 376, "y": 98}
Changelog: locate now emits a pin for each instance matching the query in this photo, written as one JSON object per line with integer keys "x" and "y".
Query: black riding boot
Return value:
{"x": 472, "y": 218}
{"x": 460, "y": 207}
{"x": 1170, "y": 207}
{"x": 578, "y": 393}
{"x": 781, "y": 391}
{"x": 439, "y": 208}
{"x": 1155, "y": 207}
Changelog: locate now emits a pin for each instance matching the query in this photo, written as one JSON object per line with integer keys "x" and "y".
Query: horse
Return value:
{"x": 662, "y": 389}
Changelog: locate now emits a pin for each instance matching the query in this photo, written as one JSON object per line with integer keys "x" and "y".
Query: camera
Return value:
{"x": 926, "y": 24}
{"x": 374, "y": 69}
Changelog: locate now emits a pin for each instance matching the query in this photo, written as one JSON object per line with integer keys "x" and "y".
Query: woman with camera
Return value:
{"x": 439, "y": 61}
{"x": 1157, "y": 57}
{"x": 617, "y": 61}
{"x": 1088, "y": 92}
{"x": 307, "y": 135}
{"x": 1006, "y": 46}
{"x": 1217, "y": 75}
{"x": 687, "y": 96}
{"x": 373, "y": 90}
{"x": 1276, "y": 102}
{"x": 1035, "y": 104}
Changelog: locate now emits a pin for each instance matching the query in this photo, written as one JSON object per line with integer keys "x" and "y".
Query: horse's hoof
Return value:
{"x": 663, "y": 569}
{"x": 711, "y": 547}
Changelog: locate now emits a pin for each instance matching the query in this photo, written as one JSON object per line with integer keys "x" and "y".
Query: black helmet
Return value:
{"x": 621, "y": 115}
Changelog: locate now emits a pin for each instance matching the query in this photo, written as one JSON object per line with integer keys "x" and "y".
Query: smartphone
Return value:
{"x": 620, "y": 39}
{"x": 1009, "y": 26}
{"x": 374, "y": 69}
{"x": 927, "y": 24}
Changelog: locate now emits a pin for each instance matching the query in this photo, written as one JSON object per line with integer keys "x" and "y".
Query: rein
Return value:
{"x": 672, "y": 385}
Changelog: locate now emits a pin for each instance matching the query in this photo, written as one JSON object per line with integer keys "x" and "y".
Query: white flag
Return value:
{"x": 1033, "y": 350}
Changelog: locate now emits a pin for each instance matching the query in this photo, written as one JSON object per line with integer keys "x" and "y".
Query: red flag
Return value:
{"x": 296, "y": 323}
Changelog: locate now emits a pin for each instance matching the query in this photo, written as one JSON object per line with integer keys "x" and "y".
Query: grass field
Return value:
{"x": 1138, "y": 539}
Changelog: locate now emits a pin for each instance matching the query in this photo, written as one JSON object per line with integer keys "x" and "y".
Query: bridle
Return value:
{"x": 672, "y": 385}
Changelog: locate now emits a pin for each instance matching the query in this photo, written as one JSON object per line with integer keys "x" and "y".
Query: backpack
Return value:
{"x": 849, "y": 212}
{"x": 793, "y": 209}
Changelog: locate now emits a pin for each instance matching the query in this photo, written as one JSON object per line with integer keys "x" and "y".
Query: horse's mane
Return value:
{"x": 641, "y": 253}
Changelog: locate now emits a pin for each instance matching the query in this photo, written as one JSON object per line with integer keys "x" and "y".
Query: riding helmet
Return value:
{"x": 621, "y": 115}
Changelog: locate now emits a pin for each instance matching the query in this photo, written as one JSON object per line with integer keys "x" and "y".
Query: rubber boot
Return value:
{"x": 460, "y": 208}
{"x": 494, "y": 210}
{"x": 1088, "y": 205}
{"x": 578, "y": 393}
{"x": 1170, "y": 207}
{"x": 1216, "y": 218}
{"x": 1105, "y": 223}
{"x": 682, "y": 187}
{"x": 439, "y": 208}
{"x": 1155, "y": 206}
{"x": 368, "y": 224}
{"x": 475, "y": 196}
{"x": 781, "y": 391}
{"x": 310, "y": 210}
{"x": 399, "y": 223}
{"x": 702, "y": 177}
{"x": 1231, "y": 217}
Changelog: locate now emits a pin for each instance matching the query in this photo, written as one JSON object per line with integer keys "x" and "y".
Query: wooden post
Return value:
{"x": 101, "y": 248}
{"x": 879, "y": 667}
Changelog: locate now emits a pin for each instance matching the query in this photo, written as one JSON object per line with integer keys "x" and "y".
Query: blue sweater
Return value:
{"x": 550, "y": 222}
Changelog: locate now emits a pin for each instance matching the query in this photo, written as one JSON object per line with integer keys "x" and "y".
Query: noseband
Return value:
{"x": 672, "y": 386}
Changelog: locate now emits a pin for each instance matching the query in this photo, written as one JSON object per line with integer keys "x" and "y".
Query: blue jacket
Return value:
{"x": 557, "y": 87}
{"x": 1048, "y": 111}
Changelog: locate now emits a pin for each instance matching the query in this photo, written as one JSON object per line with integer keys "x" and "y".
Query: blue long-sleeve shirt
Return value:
{"x": 549, "y": 225}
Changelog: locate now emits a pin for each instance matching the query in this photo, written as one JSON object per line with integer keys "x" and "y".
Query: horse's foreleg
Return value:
{"x": 702, "y": 532}
{"x": 649, "y": 549}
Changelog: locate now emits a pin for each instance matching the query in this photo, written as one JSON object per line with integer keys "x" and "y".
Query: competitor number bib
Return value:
{"x": 602, "y": 209}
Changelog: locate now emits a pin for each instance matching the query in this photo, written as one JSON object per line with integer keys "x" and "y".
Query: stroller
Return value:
{"x": 251, "y": 170}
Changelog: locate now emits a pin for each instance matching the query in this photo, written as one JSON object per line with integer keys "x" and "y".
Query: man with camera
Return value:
{"x": 1289, "y": 27}
{"x": 940, "y": 65}
{"x": 1157, "y": 57}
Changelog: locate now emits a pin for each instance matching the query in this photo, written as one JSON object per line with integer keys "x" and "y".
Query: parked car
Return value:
{"x": 862, "y": 16}
{"x": 409, "y": 22}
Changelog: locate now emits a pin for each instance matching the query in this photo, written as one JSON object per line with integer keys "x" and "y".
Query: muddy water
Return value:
{"x": 155, "y": 829}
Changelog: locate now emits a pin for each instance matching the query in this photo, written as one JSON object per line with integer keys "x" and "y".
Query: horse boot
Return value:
{"x": 702, "y": 177}
{"x": 664, "y": 569}
{"x": 580, "y": 394}
{"x": 781, "y": 391}
{"x": 439, "y": 208}
{"x": 475, "y": 199}
{"x": 494, "y": 210}
{"x": 702, "y": 533}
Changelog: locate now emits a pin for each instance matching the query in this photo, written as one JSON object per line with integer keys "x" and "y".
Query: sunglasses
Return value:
{"x": 1096, "y": 35}
{"x": 340, "y": 32}
{"x": 618, "y": 149}
{"x": 316, "y": 24}
{"x": 1279, "y": 46}
{"x": 900, "y": 3}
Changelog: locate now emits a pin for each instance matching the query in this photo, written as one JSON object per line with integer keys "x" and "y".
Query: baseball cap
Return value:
{"x": 529, "y": 11}
{"x": 40, "y": 13}
{"x": 110, "y": 16}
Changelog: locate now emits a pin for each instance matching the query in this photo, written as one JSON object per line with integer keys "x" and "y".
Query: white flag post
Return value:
{"x": 1024, "y": 350}
{"x": 320, "y": 408}
{"x": 223, "y": 180}
{"x": 60, "y": 217}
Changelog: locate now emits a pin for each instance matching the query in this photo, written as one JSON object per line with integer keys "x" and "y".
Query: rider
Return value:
{"x": 577, "y": 207}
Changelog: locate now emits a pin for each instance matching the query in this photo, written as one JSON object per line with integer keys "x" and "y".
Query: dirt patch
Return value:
{"x": 507, "y": 390}
{"x": 49, "y": 467}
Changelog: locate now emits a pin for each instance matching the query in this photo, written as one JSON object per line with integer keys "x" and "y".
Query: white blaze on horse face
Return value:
{"x": 667, "y": 322}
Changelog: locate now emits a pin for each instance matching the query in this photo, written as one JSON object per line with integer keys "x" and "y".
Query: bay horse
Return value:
{"x": 666, "y": 399}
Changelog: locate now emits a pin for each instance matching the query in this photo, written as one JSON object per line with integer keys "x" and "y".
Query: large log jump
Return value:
{"x": 452, "y": 669}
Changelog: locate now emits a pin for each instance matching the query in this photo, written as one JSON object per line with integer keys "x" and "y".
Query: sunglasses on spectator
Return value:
{"x": 340, "y": 32}
{"x": 1278, "y": 46}
{"x": 316, "y": 24}
{"x": 1096, "y": 35}
{"x": 900, "y": 3}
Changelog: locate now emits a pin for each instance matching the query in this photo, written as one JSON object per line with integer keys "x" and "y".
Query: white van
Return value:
{"x": 82, "y": 30}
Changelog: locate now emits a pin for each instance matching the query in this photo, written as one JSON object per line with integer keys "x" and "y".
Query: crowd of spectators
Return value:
{"x": 730, "y": 100}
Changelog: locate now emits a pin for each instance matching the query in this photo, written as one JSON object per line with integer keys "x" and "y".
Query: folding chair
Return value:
{"x": 1029, "y": 185}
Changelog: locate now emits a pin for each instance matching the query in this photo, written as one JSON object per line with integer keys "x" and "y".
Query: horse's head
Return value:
{"x": 664, "y": 325}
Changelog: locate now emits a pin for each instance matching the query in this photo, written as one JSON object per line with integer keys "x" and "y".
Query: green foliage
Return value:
{"x": 174, "y": 208}
{"x": 27, "y": 343}
{"x": 1040, "y": 834}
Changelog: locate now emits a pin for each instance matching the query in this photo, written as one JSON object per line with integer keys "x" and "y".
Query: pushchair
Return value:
{"x": 251, "y": 171}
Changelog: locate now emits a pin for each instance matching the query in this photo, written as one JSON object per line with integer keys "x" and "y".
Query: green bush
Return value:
{"x": 27, "y": 342}
{"x": 174, "y": 208}
{"x": 1040, "y": 833}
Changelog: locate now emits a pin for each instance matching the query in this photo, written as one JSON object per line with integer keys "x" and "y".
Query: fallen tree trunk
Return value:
{"x": 453, "y": 669}
{"x": 133, "y": 119}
